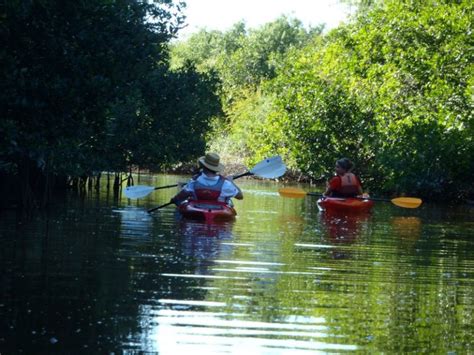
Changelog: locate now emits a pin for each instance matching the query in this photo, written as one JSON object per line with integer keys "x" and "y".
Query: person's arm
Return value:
{"x": 328, "y": 191}
{"x": 185, "y": 193}
{"x": 181, "y": 196}
{"x": 231, "y": 190}
{"x": 333, "y": 185}
{"x": 240, "y": 195}
{"x": 359, "y": 188}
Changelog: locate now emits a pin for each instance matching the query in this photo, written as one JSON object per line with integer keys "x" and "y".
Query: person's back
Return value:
{"x": 209, "y": 185}
{"x": 345, "y": 183}
{"x": 349, "y": 186}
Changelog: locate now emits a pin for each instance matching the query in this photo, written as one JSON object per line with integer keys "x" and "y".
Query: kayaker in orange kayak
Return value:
{"x": 209, "y": 185}
{"x": 345, "y": 183}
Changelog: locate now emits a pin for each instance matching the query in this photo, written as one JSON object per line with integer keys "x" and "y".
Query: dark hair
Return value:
{"x": 345, "y": 163}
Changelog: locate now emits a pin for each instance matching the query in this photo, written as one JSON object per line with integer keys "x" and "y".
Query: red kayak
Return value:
{"x": 209, "y": 211}
{"x": 343, "y": 204}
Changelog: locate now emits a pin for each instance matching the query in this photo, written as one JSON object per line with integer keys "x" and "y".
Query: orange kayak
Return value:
{"x": 208, "y": 211}
{"x": 348, "y": 205}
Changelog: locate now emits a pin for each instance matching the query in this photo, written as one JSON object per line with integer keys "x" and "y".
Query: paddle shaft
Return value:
{"x": 233, "y": 177}
{"x": 175, "y": 185}
{"x": 356, "y": 197}
{"x": 157, "y": 208}
{"x": 165, "y": 187}
{"x": 248, "y": 173}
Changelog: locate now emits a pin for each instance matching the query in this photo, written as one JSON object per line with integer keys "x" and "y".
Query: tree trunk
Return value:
{"x": 97, "y": 181}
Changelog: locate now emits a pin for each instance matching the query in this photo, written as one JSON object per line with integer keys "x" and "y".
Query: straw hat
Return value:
{"x": 211, "y": 161}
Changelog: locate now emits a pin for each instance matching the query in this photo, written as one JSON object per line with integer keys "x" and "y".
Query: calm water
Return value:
{"x": 97, "y": 275}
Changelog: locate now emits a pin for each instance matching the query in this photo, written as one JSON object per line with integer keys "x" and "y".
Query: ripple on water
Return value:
{"x": 281, "y": 279}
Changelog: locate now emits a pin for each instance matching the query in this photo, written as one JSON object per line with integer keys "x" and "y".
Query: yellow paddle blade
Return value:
{"x": 292, "y": 192}
{"x": 407, "y": 202}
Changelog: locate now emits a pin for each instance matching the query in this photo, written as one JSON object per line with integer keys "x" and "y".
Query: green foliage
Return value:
{"x": 165, "y": 122}
{"x": 243, "y": 61}
{"x": 260, "y": 53}
{"x": 66, "y": 63}
{"x": 242, "y": 58}
{"x": 254, "y": 116}
{"x": 89, "y": 86}
{"x": 420, "y": 80}
{"x": 322, "y": 122}
{"x": 393, "y": 91}
{"x": 182, "y": 110}
{"x": 86, "y": 87}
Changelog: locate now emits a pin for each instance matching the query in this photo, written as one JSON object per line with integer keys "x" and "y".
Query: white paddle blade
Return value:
{"x": 270, "y": 168}
{"x": 138, "y": 191}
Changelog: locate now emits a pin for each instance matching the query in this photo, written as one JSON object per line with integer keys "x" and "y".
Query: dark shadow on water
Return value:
{"x": 59, "y": 290}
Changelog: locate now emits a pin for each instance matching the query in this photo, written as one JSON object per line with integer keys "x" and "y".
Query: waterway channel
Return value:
{"x": 94, "y": 274}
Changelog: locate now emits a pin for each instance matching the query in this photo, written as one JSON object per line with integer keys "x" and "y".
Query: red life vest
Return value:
{"x": 208, "y": 193}
{"x": 349, "y": 185}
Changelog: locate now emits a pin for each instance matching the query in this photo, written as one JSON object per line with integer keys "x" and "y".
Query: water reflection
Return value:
{"x": 135, "y": 222}
{"x": 408, "y": 228}
{"x": 175, "y": 321}
{"x": 204, "y": 242}
{"x": 102, "y": 274}
{"x": 213, "y": 332}
{"x": 342, "y": 229}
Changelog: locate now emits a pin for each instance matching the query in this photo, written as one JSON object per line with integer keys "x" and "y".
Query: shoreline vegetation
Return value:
{"x": 115, "y": 182}
{"x": 108, "y": 90}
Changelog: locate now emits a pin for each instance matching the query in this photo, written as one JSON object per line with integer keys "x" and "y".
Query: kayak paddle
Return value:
{"x": 405, "y": 202}
{"x": 269, "y": 168}
{"x": 157, "y": 208}
{"x": 139, "y": 191}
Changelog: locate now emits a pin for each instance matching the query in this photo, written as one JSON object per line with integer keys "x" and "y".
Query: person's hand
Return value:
{"x": 181, "y": 185}
{"x": 230, "y": 178}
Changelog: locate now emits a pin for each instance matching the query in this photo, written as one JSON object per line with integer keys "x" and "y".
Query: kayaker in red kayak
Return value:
{"x": 209, "y": 185}
{"x": 345, "y": 183}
